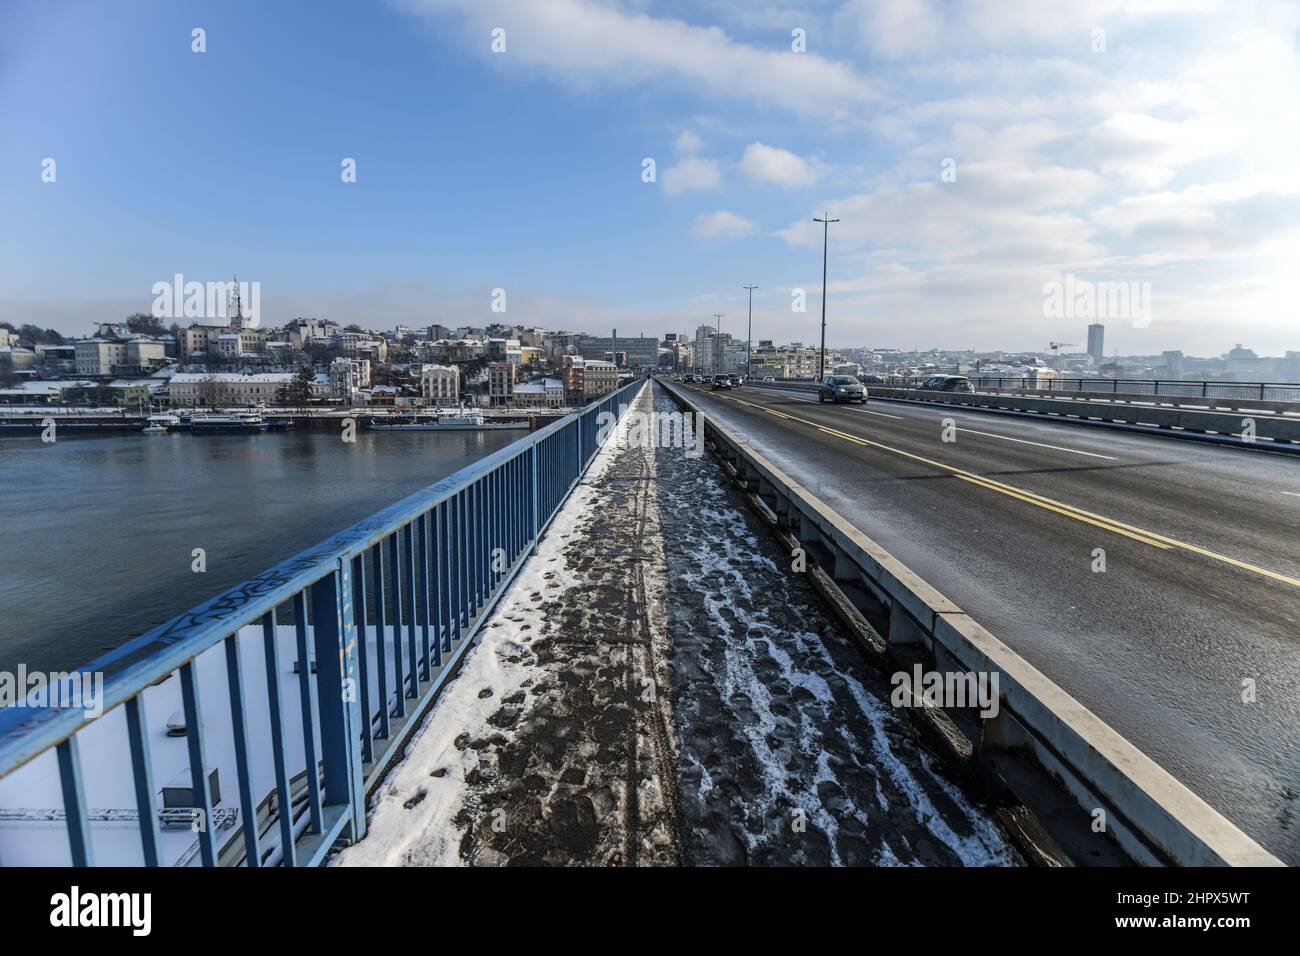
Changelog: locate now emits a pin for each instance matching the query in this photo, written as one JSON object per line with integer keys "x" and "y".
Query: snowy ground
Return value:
{"x": 659, "y": 688}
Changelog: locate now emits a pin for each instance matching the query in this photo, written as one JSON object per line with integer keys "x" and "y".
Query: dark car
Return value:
{"x": 721, "y": 382}
{"x": 948, "y": 383}
{"x": 736, "y": 380}
{"x": 841, "y": 388}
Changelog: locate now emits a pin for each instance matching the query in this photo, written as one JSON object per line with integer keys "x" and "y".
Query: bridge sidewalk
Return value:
{"x": 657, "y": 688}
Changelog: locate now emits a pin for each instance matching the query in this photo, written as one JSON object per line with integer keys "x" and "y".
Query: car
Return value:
{"x": 689, "y": 379}
{"x": 841, "y": 388}
{"x": 947, "y": 383}
{"x": 721, "y": 382}
{"x": 736, "y": 381}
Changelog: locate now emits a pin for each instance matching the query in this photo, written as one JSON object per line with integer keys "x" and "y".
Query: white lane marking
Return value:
{"x": 1073, "y": 451}
{"x": 1294, "y": 493}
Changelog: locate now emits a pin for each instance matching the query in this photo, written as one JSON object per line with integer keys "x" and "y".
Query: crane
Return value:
{"x": 1056, "y": 354}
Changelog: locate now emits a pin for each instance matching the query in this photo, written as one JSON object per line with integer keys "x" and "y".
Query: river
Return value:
{"x": 97, "y": 531}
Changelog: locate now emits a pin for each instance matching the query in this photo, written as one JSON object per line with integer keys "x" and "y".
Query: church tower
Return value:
{"x": 236, "y": 310}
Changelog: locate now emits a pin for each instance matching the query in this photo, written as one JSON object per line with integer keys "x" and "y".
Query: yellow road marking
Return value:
{"x": 1151, "y": 538}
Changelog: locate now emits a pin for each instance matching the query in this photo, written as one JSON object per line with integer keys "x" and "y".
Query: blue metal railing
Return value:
{"x": 377, "y": 617}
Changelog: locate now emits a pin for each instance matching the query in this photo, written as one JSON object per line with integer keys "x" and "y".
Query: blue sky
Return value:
{"x": 1170, "y": 157}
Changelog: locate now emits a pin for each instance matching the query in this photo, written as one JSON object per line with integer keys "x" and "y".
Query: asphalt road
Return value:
{"x": 1200, "y": 593}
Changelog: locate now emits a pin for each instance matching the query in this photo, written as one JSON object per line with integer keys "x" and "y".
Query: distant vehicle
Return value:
{"x": 841, "y": 388}
{"x": 736, "y": 381}
{"x": 689, "y": 379}
{"x": 947, "y": 383}
{"x": 721, "y": 382}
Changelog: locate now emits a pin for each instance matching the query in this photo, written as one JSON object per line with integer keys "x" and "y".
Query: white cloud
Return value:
{"x": 770, "y": 164}
{"x": 688, "y": 143}
{"x": 722, "y": 225}
{"x": 690, "y": 175}
{"x": 596, "y": 45}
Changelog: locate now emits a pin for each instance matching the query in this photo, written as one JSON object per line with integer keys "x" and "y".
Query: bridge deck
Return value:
{"x": 657, "y": 688}
{"x": 1158, "y": 644}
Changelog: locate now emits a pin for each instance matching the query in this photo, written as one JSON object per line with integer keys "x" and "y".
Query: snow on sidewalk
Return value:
{"x": 656, "y": 688}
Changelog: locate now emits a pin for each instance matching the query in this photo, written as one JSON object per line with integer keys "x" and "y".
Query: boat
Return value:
{"x": 464, "y": 421}
{"x": 161, "y": 423}
{"x": 238, "y": 422}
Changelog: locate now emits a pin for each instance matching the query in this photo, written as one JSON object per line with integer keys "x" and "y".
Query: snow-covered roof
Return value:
{"x": 183, "y": 378}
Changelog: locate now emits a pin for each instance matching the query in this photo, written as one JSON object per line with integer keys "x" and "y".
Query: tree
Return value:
{"x": 298, "y": 391}
{"x": 145, "y": 324}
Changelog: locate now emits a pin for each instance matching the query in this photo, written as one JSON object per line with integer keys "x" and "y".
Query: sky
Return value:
{"x": 975, "y": 153}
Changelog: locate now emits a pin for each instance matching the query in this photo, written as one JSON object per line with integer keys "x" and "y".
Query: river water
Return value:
{"x": 97, "y": 531}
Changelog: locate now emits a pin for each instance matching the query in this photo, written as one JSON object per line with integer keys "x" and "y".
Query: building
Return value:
{"x": 228, "y": 388}
{"x": 548, "y": 393}
{"x": 1096, "y": 342}
{"x": 99, "y": 356}
{"x": 208, "y": 340}
{"x": 61, "y": 359}
{"x": 501, "y": 382}
{"x": 574, "y": 371}
{"x": 347, "y": 377}
{"x": 16, "y": 357}
{"x": 439, "y": 383}
{"x": 599, "y": 378}
{"x": 642, "y": 351}
{"x": 302, "y": 332}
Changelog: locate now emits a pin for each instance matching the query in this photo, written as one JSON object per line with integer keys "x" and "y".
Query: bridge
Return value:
{"x": 589, "y": 647}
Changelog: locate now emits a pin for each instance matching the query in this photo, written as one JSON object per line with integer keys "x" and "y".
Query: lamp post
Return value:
{"x": 826, "y": 221}
{"x": 749, "y": 334}
{"x": 717, "y": 344}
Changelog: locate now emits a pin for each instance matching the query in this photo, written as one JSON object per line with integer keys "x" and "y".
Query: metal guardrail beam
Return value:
{"x": 457, "y": 533}
{"x": 1268, "y": 430}
{"x": 1155, "y": 818}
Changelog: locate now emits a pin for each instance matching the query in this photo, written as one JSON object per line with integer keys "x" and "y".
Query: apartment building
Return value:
{"x": 439, "y": 383}
{"x": 501, "y": 382}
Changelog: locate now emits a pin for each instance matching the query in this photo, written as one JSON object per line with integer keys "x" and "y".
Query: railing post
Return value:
{"x": 337, "y": 693}
{"x": 537, "y": 491}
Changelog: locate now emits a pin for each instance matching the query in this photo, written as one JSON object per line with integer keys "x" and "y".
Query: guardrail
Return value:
{"x": 380, "y": 614}
{"x": 1169, "y": 401}
{"x": 1279, "y": 432}
{"x": 1153, "y": 817}
{"x": 1263, "y": 391}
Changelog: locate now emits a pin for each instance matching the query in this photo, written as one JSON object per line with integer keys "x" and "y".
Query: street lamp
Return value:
{"x": 717, "y": 344}
{"x": 749, "y": 334}
{"x": 826, "y": 221}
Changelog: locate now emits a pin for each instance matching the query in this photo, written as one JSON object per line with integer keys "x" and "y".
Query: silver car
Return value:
{"x": 841, "y": 388}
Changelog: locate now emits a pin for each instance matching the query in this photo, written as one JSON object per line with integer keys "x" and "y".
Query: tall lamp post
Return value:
{"x": 826, "y": 221}
{"x": 717, "y": 344}
{"x": 749, "y": 334}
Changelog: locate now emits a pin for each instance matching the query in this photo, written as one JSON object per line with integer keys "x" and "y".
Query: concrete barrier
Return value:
{"x": 1194, "y": 403}
{"x": 1155, "y": 819}
{"x": 1267, "y": 428}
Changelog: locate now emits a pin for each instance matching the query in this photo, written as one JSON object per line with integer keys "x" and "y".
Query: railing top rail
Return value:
{"x": 26, "y": 732}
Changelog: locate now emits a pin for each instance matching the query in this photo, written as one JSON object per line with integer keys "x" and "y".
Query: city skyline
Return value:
{"x": 972, "y": 156}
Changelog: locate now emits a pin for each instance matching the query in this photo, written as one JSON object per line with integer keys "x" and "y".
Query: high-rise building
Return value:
{"x": 1096, "y": 336}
